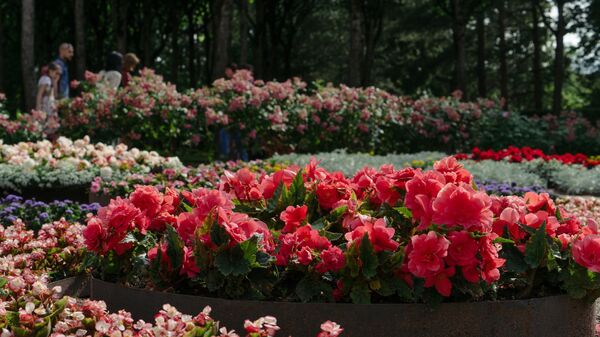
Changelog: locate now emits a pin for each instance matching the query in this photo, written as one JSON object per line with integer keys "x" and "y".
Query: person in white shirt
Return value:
{"x": 47, "y": 89}
{"x": 111, "y": 76}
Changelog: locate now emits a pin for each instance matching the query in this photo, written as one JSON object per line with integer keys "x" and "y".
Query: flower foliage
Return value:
{"x": 291, "y": 115}
{"x": 313, "y": 235}
{"x": 517, "y": 155}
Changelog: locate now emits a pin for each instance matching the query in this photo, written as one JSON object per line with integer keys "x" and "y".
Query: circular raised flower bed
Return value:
{"x": 547, "y": 316}
{"x": 78, "y": 193}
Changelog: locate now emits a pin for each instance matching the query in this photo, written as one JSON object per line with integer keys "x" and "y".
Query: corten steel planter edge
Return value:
{"x": 76, "y": 286}
{"x": 100, "y": 198}
{"x": 77, "y": 193}
{"x": 553, "y": 316}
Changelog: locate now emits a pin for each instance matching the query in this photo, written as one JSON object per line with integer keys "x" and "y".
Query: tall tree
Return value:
{"x": 459, "y": 27}
{"x": 2, "y": 52}
{"x": 537, "y": 58}
{"x": 356, "y": 43}
{"x": 559, "y": 51}
{"x": 373, "y": 26}
{"x": 222, "y": 15}
{"x": 481, "y": 73}
{"x": 80, "y": 38}
{"x": 120, "y": 9}
{"x": 27, "y": 49}
{"x": 191, "y": 49}
{"x": 502, "y": 49}
{"x": 460, "y": 12}
{"x": 260, "y": 40}
{"x": 243, "y": 18}
{"x": 146, "y": 34}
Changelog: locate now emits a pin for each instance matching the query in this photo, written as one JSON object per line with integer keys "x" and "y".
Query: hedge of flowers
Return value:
{"x": 582, "y": 207}
{"x": 36, "y": 213}
{"x": 311, "y": 235}
{"x": 71, "y": 163}
{"x": 25, "y": 127}
{"x": 291, "y": 116}
{"x": 517, "y": 155}
{"x": 502, "y": 188}
{"x": 204, "y": 175}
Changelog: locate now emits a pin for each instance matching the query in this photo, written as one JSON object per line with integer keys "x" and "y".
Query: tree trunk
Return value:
{"x": 537, "y": 59}
{"x": 1, "y": 57}
{"x": 80, "y": 38}
{"x": 119, "y": 9}
{"x": 221, "y": 33}
{"x": 272, "y": 69}
{"x": 243, "y": 32}
{"x": 502, "y": 49}
{"x": 27, "y": 52}
{"x": 260, "y": 41}
{"x": 373, "y": 29}
{"x": 176, "y": 58}
{"x": 192, "y": 49}
{"x": 559, "y": 59}
{"x": 146, "y": 35}
{"x": 481, "y": 75}
{"x": 356, "y": 43}
{"x": 458, "y": 34}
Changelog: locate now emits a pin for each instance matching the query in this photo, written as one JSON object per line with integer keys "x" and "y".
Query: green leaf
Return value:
{"x": 339, "y": 212}
{"x": 297, "y": 189}
{"x": 12, "y": 318}
{"x": 405, "y": 212}
{"x": 218, "y": 235}
{"x": 174, "y": 247}
{"x": 250, "y": 249}
{"x": 214, "y": 280}
{"x": 368, "y": 257}
{"x": 305, "y": 289}
{"x": 503, "y": 240}
{"x": 514, "y": 258}
{"x": 360, "y": 293}
{"x": 273, "y": 203}
{"x": 129, "y": 238}
{"x": 535, "y": 250}
{"x": 318, "y": 224}
{"x": 232, "y": 262}
{"x": 331, "y": 236}
{"x": 3, "y": 282}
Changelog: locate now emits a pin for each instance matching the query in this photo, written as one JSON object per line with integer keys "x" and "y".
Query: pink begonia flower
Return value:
{"x": 426, "y": 257}
{"x": 461, "y": 205}
{"x": 586, "y": 252}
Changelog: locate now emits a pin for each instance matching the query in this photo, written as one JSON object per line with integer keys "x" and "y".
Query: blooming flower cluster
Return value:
{"x": 387, "y": 233}
{"x": 203, "y": 175}
{"x": 280, "y": 113}
{"x": 500, "y": 188}
{"x": 29, "y": 308}
{"x": 57, "y": 248}
{"x": 36, "y": 213}
{"x": 71, "y": 163}
{"x": 80, "y": 154}
{"x": 517, "y": 155}
{"x": 26, "y": 126}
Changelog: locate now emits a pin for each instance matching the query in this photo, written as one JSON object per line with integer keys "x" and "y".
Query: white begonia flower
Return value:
{"x": 106, "y": 172}
{"x": 28, "y": 164}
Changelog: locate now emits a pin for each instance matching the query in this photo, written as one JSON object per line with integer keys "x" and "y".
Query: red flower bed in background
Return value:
{"x": 517, "y": 155}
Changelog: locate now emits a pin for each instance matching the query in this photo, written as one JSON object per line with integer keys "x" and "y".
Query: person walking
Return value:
{"x": 65, "y": 54}
{"x": 45, "y": 98}
{"x": 130, "y": 61}
{"x": 111, "y": 76}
